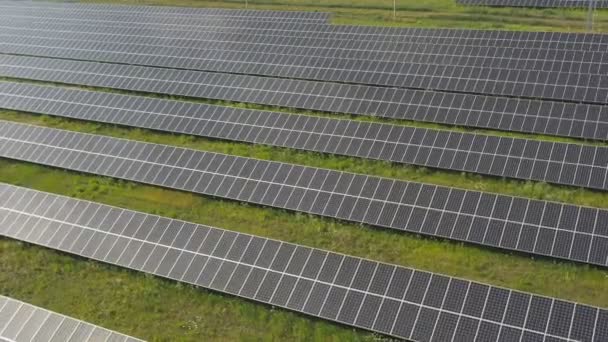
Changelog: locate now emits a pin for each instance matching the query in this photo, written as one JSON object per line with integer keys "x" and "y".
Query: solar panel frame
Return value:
{"x": 462, "y": 215}
{"x": 389, "y": 299}
{"x": 543, "y": 117}
{"x": 483, "y": 154}
{"x": 26, "y": 322}
{"x": 589, "y": 88}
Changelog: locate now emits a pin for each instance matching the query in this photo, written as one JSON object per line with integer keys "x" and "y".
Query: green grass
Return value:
{"x": 575, "y": 282}
{"x": 148, "y": 307}
{"x": 87, "y": 299}
{"x": 470, "y": 262}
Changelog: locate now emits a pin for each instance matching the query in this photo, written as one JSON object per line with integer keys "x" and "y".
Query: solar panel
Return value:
{"x": 561, "y": 163}
{"x": 543, "y": 40}
{"x": 510, "y": 114}
{"x": 393, "y": 300}
{"x": 183, "y": 13}
{"x": 553, "y": 78}
{"x": 536, "y": 3}
{"x": 294, "y": 33}
{"x": 530, "y": 226}
{"x": 211, "y": 24}
{"x": 23, "y": 322}
{"x": 188, "y": 27}
{"x": 248, "y": 39}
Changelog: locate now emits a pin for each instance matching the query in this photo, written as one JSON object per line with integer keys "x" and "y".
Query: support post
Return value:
{"x": 394, "y": 9}
{"x": 590, "y": 11}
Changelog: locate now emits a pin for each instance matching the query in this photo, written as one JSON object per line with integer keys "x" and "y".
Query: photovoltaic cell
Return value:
{"x": 530, "y": 226}
{"x": 532, "y": 116}
{"x": 561, "y": 163}
{"x": 23, "y": 322}
{"x": 388, "y": 299}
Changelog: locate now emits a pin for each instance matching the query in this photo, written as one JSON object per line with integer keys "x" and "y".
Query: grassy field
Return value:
{"x": 157, "y": 309}
{"x": 165, "y": 311}
{"x": 149, "y": 300}
{"x": 576, "y": 282}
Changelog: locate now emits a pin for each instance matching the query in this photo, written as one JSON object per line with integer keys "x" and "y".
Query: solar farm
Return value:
{"x": 194, "y": 171}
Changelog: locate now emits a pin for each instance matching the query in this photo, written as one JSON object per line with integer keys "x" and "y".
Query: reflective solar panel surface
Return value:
{"x": 187, "y": 24}
{"x": 545, "y": 40}
{"x": 561, "y": 163}
{"x": 182, "y": 13}
{"x": 530, "y": 226}
{"x": 221, "y": 33}
{"x": 393, "y": 300}
{"x": 511, "y": 114}
{"x": 412, "y": 65}
{"x": 23, "y": 322}
{"x": 553, "y": 78}
{"x": 304, "y": 52}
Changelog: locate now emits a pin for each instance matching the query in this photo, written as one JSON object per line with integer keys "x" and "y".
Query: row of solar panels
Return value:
{"x": 561, "y": 163}
{"x": 392, "y": 300}
{"x": 23, "y": 322}
{"x": 404, "y": 74}
{"x": 537, "y": 3}
{"x": 523, "y": 72}
{"x": 303, "y": 29}
{"x": 166, "y": 11}
{"x": 501, "y": 113}
{"x": 373, "y": 49}
{"x": 529, "y": 226}
{"x": 529, "y": 77}
{"x": 560, "y": 41}
{"x": 257, "y": 41}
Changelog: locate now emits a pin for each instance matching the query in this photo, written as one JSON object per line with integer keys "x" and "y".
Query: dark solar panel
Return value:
{"x": 200, "y": 44}
{"x": 561, "y": 163}
{"x": 175, "y": 13}
{"x": 23, "y": 322}
{"x": 296, "y": 34}
{"x": 510, "y": 114}
{"x": 541, "y": 75}
{"x": 388, "y": 299}
{"x": 530, "y": 226}
{"x": 366, "y": 37}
